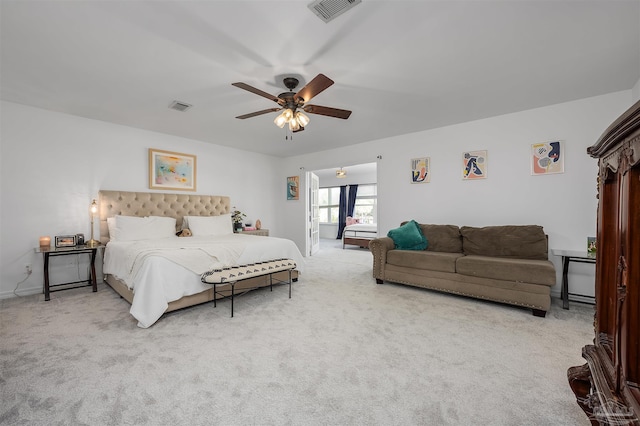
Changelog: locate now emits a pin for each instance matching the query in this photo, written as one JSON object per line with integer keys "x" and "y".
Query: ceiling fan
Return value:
{"x": 293, "y": 103}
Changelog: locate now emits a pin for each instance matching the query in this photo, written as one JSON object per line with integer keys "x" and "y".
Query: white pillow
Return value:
{"x": 111, "y": 224}
{"x": 210, "y": 225}
{"x": 132, "y": 228}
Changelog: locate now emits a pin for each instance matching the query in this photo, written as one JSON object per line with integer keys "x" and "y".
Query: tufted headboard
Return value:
{"x": 158, "y": 204}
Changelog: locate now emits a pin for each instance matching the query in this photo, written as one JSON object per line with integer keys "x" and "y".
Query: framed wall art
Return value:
{"x": 172, "y": 170}
{"x": 474, "y": 165}
{"x": 293, "y": 187}
{"x": 421, "y": 170}
{"x": 547, "y": 158}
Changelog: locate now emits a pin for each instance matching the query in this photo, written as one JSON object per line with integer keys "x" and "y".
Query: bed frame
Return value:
{"x": 142, "y": 204}
{"x": 358, "y": 238}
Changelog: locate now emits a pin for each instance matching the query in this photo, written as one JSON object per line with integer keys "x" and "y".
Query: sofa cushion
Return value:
{"x": 408, "y": 237}
{"x": 500, "y": 268}
{"x": 514, "y": 241}
{"x": 426, "y": 260}
{"x": 443, "y": 238}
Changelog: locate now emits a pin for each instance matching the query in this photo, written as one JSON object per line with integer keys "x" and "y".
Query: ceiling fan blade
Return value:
{"x": 315, "y": 86}
{"x": 253, "y": 114}
{"x": 258, "y": 92}
{"x": 328, "y": 111}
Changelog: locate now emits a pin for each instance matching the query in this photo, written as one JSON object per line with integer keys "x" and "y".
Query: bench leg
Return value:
{"x": 233, "y": 287}
{"x": 233, "y": 290}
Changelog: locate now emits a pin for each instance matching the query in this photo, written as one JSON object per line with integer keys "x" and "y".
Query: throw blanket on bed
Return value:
{"x": 195, "y": 254}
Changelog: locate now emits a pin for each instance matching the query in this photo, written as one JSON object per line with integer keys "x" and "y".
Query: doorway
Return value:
{"x": 328, "y": 182}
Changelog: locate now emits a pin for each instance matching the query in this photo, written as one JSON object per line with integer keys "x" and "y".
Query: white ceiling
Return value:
{"x": 400, "y": 66}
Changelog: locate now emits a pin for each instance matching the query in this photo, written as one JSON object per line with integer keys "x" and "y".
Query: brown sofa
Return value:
{"x": 506, "y": 264}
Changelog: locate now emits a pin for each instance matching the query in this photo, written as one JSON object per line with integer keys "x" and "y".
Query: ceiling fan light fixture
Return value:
{"x": 283, "y": 118}
{"x": 280, "y": 121}
{"x": 294, "y": 125}
{"x": 302, "y": 118}
{"x": 341, "y": 173}
{"x": 292, "y": 104}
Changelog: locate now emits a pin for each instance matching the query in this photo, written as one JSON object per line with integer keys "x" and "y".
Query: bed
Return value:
{"x": 144, "y": 272}
{"x": 359, "y": 234}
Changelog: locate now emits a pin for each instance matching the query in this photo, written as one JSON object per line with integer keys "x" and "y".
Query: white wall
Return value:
{"x": 53, "y": 164}
{"x": 564, "y": 204}
{"x": 636, "y": 92}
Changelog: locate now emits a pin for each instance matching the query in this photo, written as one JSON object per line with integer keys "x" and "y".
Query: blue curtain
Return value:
{"x": 342, "y": 211}
{"x": 351, "y": 202}
{"x": 346, "y": 207}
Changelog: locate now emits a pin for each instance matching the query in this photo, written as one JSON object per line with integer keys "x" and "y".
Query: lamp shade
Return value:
{"x": 302, "y": 119}
{"x": 294, "y": 125}
{"x": 280, "y": 120}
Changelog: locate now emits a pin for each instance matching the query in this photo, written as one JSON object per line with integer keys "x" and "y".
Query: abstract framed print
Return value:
{"x": 474, "y": 165}
{"x": 421, "y": 170}
{"x": 293, "y": 187}
{"x": 547, "y": 158}
{"x": 172, "y": 170}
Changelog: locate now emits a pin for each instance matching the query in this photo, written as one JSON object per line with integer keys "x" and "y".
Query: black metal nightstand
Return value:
{"x": 64, "y": 251}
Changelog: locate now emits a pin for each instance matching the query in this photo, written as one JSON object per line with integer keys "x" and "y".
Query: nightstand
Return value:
{"x": 259, "y": 232}
{"x": 65, "y": 251}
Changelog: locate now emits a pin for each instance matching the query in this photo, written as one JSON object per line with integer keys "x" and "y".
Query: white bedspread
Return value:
{"x": 161, "y": 271}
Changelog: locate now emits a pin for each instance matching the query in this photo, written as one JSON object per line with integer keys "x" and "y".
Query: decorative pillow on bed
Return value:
{"x": 352, "y": 221}
{"x": 408, "y": 237}
{"x": 132, "y": 228}
{"x": 210, "y": 225}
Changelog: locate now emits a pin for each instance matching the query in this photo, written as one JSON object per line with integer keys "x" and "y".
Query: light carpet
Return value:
{"x": 342, "y": 351}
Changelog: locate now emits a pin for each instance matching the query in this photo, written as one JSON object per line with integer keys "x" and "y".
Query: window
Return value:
{"x": 366, "y": 203}
{"x": 365, "y": 208}
{"x": 329, "y": 201}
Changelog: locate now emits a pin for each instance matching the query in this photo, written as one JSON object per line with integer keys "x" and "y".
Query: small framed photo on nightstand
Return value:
{"x": 65, "y": 241}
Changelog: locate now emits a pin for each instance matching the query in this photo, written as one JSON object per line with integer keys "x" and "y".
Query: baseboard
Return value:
{"x": 576, "y": 298}
{"x": 21, "y": 292}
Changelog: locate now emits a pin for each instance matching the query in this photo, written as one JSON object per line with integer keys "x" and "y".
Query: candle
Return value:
{"x": 45, "y": 242}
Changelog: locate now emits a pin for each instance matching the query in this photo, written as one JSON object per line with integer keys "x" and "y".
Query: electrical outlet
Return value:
{"x": 27, "y": 267}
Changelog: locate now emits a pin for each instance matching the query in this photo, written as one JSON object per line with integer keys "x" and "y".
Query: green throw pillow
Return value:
{"x": 408, "y": 237}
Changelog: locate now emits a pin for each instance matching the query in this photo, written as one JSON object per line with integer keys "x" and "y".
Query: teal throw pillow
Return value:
{"x": 408, "y": 237}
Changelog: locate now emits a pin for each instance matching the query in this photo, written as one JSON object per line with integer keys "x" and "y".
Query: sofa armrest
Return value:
{"x": 379, "y": 248}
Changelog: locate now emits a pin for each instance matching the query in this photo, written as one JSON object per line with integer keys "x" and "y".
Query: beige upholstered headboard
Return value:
{"x": 114, "y": 203}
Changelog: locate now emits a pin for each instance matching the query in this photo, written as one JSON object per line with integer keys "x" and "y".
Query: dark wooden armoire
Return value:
{"x": 607, "y": 387}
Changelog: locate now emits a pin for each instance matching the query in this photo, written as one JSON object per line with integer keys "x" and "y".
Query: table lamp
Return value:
{"x": 92, "y": 212}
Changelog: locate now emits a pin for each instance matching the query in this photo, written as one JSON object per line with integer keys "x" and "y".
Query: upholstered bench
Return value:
{"x": 234, "y": 274}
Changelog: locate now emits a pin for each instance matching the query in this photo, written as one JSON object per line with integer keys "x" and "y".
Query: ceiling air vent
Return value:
{"x": 179, "y": 106}
{"x": 327, "y": 10}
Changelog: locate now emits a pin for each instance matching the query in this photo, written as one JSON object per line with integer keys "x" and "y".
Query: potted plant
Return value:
{"x": 236, "y": 217}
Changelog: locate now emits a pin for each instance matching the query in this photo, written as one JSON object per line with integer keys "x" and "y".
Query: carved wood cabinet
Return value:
{"x": 607, "y": 387}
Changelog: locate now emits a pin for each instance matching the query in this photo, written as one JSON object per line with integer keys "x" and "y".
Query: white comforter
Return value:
{"x": 161, "y": 271}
